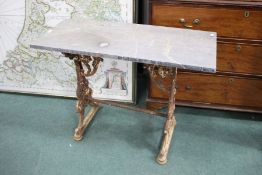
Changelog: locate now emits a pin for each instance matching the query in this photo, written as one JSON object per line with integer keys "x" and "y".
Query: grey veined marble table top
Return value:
{"x": 174, "y": 47}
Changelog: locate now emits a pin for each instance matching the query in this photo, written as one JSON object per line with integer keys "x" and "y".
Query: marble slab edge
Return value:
{"x": 167, "y": 64}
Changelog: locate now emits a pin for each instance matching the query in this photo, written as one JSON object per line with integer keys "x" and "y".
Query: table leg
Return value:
{"x": 169, "y": 127}
{"x": 85, "y": 66}
{"x": 170, "y": 120}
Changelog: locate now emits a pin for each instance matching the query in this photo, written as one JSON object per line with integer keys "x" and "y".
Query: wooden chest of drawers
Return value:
{"x": 237, "y": 85}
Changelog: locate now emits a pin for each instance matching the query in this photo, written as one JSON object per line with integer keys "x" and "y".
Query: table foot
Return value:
{"x": 77, "y": 137}
{"x": 161, "y": 161}
{"x": 166, "y": 140}
{"x": 84, "y": 122}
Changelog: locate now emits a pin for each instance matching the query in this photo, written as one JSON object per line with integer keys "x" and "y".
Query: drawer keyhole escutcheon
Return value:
{"x": 246, "y": 14}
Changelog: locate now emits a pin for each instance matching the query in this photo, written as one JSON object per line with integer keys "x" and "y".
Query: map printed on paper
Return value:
{"x": 29, "y": 70}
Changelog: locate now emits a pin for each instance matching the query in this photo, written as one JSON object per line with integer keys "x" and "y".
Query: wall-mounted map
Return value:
{"x": 32, "y": 71}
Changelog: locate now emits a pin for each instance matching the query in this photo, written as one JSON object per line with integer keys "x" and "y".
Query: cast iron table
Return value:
{"x": 162, "y": 49}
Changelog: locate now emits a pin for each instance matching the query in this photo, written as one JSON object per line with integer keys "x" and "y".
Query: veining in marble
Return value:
{"x": 166, "y": 46}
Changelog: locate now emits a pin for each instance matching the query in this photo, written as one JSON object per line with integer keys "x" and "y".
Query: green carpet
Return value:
{"x": 36, "y": 138}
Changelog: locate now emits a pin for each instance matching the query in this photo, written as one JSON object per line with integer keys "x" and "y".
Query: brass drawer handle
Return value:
{"x": 194, "y": 22}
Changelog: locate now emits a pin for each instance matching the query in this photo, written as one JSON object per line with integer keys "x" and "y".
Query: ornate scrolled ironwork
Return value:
{"x": 84, "y": 92}
{"x": 162, "y": 71}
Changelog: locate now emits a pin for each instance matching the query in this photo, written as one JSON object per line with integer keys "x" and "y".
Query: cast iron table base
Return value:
{"x": 87, "y": 66}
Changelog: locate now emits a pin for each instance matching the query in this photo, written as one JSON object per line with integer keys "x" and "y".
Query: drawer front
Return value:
{"x": 239, "y": 58}
{"x": 230, "y": 22}
{"x": 214, "y": 89}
